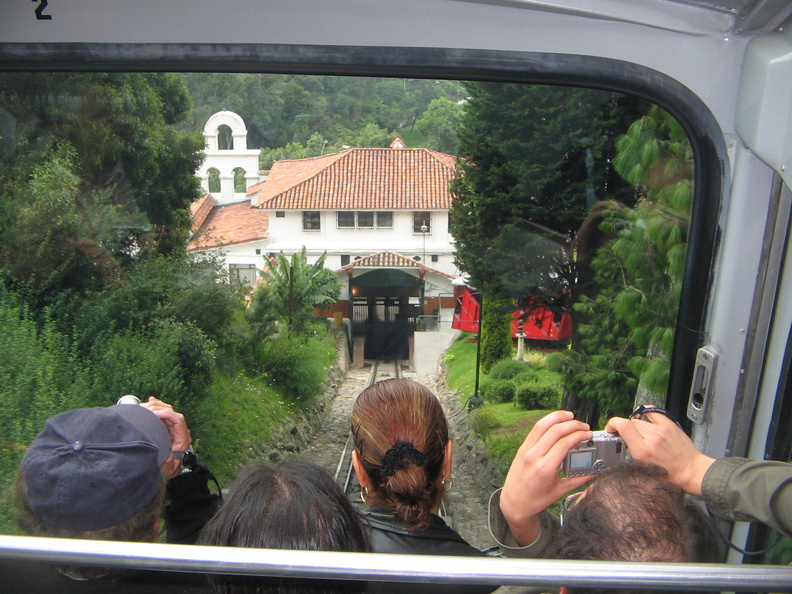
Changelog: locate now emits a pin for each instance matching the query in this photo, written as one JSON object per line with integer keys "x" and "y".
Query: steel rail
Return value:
{"x": 397, "y": 568}
{"x": 344, "y": 466}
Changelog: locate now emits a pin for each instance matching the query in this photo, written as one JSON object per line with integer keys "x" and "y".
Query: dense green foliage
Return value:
{"x": 496, "y": 341}
{"x": 306, "y": 116}
{"x": 300, "y": 287}
{"x": 126, "y": 173}
{"x": 627, "y": 326}
{"x": 98, "y": 297}
{"x": 534, "y": 161}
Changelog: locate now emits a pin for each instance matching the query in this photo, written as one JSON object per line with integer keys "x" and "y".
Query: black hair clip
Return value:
{"x": 643, "y": 410}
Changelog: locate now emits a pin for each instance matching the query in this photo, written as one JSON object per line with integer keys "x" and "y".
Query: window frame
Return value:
{"x": 307, "y": 215}
{"x": 425, "y": 218}
{"x": 378, "y": 216}
{"x": 707, "y": 140}
{"x": 365, "y": 213}
{"x": 339, "y": 213}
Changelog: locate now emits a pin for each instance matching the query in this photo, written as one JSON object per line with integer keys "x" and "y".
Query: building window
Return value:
{"x": 434, "y": 258}
{"x": 213, "y": 179}
{"x": 280, "y": 214}
{"x": 311, "y": 220}
{"x": 384, "y": 220}
{"x": 345, "y": 219}
{"x": 240, "y": 183}
{"x": 344, "y": 259}
{"x": 245, "y": 274}
{"x": 365, "y": 220}
{"x": 421, "y": 220}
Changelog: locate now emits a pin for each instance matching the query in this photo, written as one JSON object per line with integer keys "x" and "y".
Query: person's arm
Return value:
{"x": 189, "y": 502}
{"x": 660, "y": 441}
{"x": 750, "y": 491}
{"x": 732, "y": 488}
{"x": 178, "y": 430}
{"x": 533, "y": 483}
{"x": 541, "y": 548}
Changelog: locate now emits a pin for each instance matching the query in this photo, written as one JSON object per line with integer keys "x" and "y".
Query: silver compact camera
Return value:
{"x": 595, "y": 455}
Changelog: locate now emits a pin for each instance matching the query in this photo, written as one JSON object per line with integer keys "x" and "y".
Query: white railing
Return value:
{"x": 398, "y": 568}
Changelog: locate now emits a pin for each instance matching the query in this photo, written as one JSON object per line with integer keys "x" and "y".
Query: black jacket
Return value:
{"x": 388, "y": 535}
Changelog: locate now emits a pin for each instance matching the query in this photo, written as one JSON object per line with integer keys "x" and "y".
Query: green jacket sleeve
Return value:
{"x": 542, "y": 548}
{"x": 750, "y": 491}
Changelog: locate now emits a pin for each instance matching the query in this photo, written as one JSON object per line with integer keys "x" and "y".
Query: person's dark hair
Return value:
{"x": 295, "y": 505}
{"x": 633, "y": 512}
{"x": 400, "y": 434}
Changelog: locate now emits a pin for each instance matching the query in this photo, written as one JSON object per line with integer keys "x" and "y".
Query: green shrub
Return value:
{"x": 483, "y": 421}
{"x": 173, "y": 361}
{"x": 508, "y": 369}
{"x": 496, "y": 390}
{"x": 296, "y": 365}
{"x": 496, "y": 340}
{"x": 536, "y": 396}
{"x": 529, "y": 375}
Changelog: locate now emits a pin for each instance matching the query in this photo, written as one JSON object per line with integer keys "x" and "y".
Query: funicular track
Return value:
{"x": 332, "y": 446}
{"x": 344, "y": 473}
{"x": 465, "y": 506}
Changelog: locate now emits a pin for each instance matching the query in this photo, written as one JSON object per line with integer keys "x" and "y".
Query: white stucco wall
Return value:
{"x": 287, "y": 234}
{"x": 225, "y": 161}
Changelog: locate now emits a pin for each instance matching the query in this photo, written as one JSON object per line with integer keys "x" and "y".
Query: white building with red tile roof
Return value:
{"x": 382, "y": 216}
{"x": 359, "y": 201}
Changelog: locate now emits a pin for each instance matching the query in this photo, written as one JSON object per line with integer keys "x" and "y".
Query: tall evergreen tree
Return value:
{"x": 627, "y": 321}
{"x": 533, "y": 162}
{"x": 128, "y": 172}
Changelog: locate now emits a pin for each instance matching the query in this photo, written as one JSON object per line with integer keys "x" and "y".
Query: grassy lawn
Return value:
{"x": 502, "y": 426}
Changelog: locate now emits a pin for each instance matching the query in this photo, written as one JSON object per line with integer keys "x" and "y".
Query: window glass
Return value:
{"x": 569, "y": 209}
{"x": 311, "y": 220}
{"x": 365, "y": 220}
{"x": 345, "y": 219}
{"x": 422, "y": 222}
{"x": 384, "y": 220}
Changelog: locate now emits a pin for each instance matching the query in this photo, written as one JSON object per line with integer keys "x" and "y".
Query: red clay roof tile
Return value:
{"x": 230, "y": 224}
{"x": 200, "y": 209}
{"x": 388, "y": 259}
{"x": 360, "y": 179}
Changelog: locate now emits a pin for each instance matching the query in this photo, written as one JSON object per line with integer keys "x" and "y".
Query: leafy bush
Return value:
{"x": 496, "y": 341}
{"x": 529, "y": 375}
{"x": 508, "y": 369}
{"x": 536, "y": 396}
{"x": 496, "y": 390}
{"x": 483, "y": 421}
{"x": 39, "y": 375}
{"x": 296, "y": 365}
{"x": 173, "y": 361}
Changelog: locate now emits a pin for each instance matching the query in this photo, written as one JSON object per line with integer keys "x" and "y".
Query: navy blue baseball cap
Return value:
{"x": 92, "y": 468}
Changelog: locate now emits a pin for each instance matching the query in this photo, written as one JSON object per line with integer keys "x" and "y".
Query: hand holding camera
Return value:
{"x": 174, "y": 422}
{"x": 533, "y": 482}
{"x": 592, "y": 456}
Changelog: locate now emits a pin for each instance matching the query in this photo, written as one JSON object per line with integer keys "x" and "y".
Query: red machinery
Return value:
{"x": 539, "y": 323}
